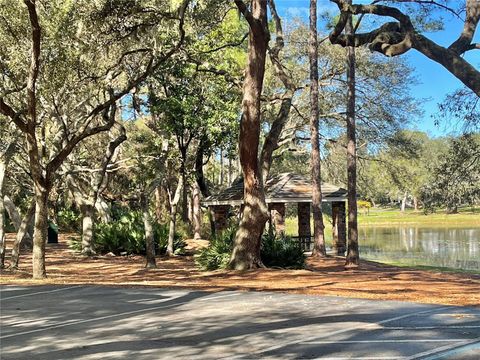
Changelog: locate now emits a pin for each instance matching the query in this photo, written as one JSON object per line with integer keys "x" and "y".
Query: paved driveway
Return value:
{"x": 97, "y": 322}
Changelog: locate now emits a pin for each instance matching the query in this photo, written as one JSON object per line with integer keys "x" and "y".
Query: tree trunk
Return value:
{"x": 404, "y": 202}
{"x": 230, "y": 172}
{"x": 352, "y": 259}
{"x": 88, "y": 213}
{"x": 158, "y": 204}
{"x": 3, "y": 167}
{"x": 246, "y": 250}
{"x": 103, "y": 210}
{"x": 173, "y": 217}
{"x": 197, "y": 212}
{"x": 40, "y": 233}
{"x": 415, "y": 203}
{"x": 4, "y": 160}
{"x": 319, "y": 249}
{"x": 12, "y": 211}
{"x": 183, "y": 171}
{"x": 22, "y": 235}
{"x": 200, "y": 176}
{"x": 220, "y": 179}
{"x": 149, "y": 234}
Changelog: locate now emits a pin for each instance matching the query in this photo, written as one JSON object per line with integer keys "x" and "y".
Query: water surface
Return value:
{"x": 457, "y": 248}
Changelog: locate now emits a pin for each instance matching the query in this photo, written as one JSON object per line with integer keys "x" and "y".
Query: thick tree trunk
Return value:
{"x": 88, "y": 213}
{"x": 40, "y": 233}
{"x": 246, "y": 250}
{"x": 149, "y": 234}
{"x": 22, "y": 235}
{"x": 319, "y": 249}
{"x": 197, "y": 212}
{"x": 352, "y": 259}
{"x": 415, "y": 203}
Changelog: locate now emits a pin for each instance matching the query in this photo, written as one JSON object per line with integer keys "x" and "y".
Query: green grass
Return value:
{"x": 388, "y": 216}
{"x": 393, "y": 217}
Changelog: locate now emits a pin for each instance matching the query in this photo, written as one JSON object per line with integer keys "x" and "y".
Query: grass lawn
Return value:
{"x": 393, "y": 217}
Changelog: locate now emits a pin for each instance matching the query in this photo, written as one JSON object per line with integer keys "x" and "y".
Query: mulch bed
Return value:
{"x": 322, "y": 277}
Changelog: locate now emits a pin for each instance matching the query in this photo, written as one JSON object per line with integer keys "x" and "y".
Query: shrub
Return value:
{"x": 68, "y": 220}
{"x": 127, "y": 235}
{"x": 217, "y": 254}
{"x": 282, "y": 252}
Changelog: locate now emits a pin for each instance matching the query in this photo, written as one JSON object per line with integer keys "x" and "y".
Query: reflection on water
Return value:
{"x": 447, "y": 247}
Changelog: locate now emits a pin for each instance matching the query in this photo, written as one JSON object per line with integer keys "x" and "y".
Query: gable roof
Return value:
{"x": 282, "y": 188}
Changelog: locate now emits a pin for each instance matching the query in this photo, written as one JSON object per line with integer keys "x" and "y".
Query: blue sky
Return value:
{"x": 435, "y": 82}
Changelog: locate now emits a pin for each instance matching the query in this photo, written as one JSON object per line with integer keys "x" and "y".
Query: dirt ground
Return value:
{"x": 322, "y": 277}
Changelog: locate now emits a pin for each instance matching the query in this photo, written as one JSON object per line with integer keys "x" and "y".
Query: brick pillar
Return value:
{"x": 277, "y": 214}
{"x": 304, "y": 220}
{"x": 220, "y": 216}
{"x": 339, "y": 239}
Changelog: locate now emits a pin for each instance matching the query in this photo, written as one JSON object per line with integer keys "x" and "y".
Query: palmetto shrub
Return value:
{"x": 281, "y": 252}
{"x": 127, "y": 236}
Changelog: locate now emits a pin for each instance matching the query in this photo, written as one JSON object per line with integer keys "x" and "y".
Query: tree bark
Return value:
{"x": 197, "y": 212}
{"x": 88, "y": 213}
{"x": 4, "y": 160}
{"x": 319, "y": 249}
{"x": 415, "y": 203}
{"x": 352, "y": 259}
{"x": 246, "y": 250}
{"x": 40, "y": 233}
{"x": 173, "y": 217}
{"x": 183, "y": 172}
{"x": 404, "y": 202}
{"x": 2, "y": 217}
{"x": 149, "y": 234}
{"x": 22, "y": 235}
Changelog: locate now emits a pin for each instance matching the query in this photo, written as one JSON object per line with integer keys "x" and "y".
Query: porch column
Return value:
{"x": 220, "y": 216}
{"x": 304, "y": 220}
{"x": 339, "y": 239}
{"x": 277, "y": 214}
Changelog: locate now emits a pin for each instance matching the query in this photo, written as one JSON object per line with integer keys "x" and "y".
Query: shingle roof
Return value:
{"x": 285, "y": 188}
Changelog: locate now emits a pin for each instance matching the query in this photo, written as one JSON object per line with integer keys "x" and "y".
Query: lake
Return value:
{"x": 457, "y": 248}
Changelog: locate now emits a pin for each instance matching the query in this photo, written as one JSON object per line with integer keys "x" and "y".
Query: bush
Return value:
{"x": 68, "y": 220}
{"x": 217, "y": 254}
{"x": 281, "y": 252}
{"x": 127, "y": 235}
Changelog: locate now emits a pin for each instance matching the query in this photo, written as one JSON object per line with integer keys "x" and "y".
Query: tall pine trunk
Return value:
{"x": 318, "y": 226}
{"x": 246, "y": 250}
{"x": 352, "y": 259}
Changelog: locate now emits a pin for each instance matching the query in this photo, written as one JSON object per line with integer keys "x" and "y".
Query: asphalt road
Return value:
{"x": 97, "y": 322}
